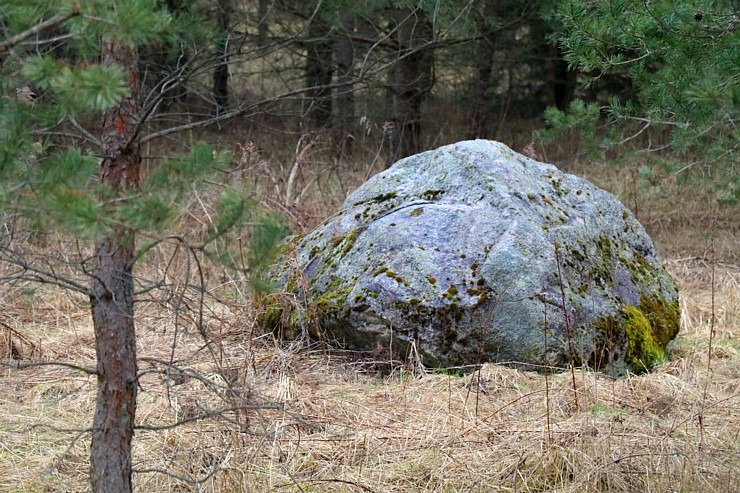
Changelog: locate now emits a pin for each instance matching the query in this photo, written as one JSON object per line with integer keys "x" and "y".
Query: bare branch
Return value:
{"x": 88, "y": 136}
{"x": 17, "y": 365}
{"x": 207, "y": 415}
{"x": 636, "y": 134}
{"x": 46, "y": 41}
{"x": 241, "y": 111}
{"x": 214, "y": 470}
{"x": 337, "y": 480}
{"x": 31, "y": 272}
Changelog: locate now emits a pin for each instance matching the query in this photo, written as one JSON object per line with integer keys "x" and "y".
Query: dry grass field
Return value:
{"x": 227, "y": 409}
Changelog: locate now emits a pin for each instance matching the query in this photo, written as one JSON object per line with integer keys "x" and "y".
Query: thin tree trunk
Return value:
{"x": 318, "y": 73}
{"x": 481, "y": 91}
{"x": 485, "y": 53}
{"x": 482, "y": 84}
{"x": 345, "y": 96}
{"x": 112, "y": 294}
{"x": 263, "y": 8}
{"x": 221, "y": 72}
{"x": 562, "y": 80}
{"x": 412, "y": 81}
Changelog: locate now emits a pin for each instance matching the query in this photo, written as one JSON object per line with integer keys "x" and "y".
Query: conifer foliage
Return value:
{"x": 680, "y": 59}
{"x": 73, "y": 114}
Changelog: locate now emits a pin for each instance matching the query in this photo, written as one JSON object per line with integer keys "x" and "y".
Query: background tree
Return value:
{"x": 487, "y": 30}
{"x": 221, "y": 72}
{"x": 411, "y": 78}
{"x": 344, "y": 53}
{"x": 319, "y": 73}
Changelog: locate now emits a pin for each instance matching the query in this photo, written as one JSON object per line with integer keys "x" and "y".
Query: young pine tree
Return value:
{"x": 72, "y": 118}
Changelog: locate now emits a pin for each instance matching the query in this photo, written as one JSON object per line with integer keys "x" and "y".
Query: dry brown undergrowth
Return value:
{"x": 320, "y": 422}
{"x": 317, "y": 421}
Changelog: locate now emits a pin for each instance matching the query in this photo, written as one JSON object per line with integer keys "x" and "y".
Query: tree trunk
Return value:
{"x": 263, "y": 8}
{"x": 562, "y": 80}
{"x": 221, "y": 72}
{"x": 412, "y": 80}
{"x": 112, "y": 289}
{"x": 482, "y": 84}
{"x": 345, "y": 96}
{"x": 318, "y": 72}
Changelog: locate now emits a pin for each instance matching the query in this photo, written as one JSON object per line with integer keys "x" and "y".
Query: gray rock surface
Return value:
{"x": 474, "y": 253}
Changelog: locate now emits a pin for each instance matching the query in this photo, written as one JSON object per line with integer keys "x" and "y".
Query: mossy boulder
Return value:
{"x": 474, "y": 251}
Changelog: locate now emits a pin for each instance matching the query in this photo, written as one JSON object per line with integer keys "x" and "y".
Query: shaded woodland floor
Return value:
{"x": 230, "y": 410}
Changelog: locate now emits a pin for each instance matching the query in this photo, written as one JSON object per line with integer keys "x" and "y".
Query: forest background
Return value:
{"x": 153, "y": 153}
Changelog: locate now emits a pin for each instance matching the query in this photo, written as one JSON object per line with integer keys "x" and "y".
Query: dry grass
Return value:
{"x": 317, "y": 421}
{"x": 256, "y": 416}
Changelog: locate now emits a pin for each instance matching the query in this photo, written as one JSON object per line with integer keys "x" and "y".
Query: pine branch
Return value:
{"x": 7, "y": 45}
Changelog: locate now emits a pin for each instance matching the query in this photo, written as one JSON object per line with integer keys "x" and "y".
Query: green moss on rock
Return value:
{"x": 642, "y": 332}
{"x": 384, "y": 197}
{"x": 349, "y": 241}
{"x": 649, "y": 327}
{"x": 664, "y": 317}
{"x": 640, "y": 268}
{"x": 332, "y": 302}
{"x": 431, "y": 194}
{"x": 346, "y": 242}
{"x": 270, "y": 315}
{"x": 396, "y": 277}
{"x": 643, "y": 349}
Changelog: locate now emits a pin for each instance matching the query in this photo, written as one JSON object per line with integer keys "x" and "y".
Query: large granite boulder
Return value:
{"x": 475, "y": 253}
